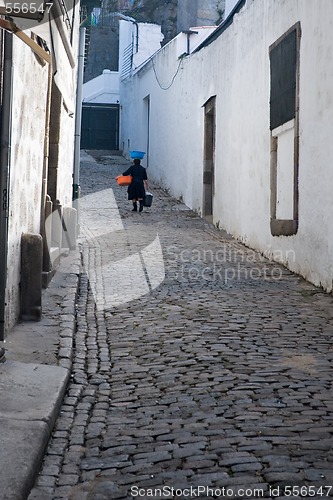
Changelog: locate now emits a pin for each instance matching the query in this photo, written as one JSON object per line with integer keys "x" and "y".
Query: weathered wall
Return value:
{"x": 172, "y": 15}
{"x": 65, "y": 161}
{"x": 177, "y": 15}
{"x": 199, "y": 13}
{"x": 27, "y": 152}
{"x": 157, "y": 12}
{"x": 29, "y": 104}
{"x": 103, "y": 51}
{"x": 186, "y": 14}
{"x": 235, "y": 68}
{"x": 104, "y": 89}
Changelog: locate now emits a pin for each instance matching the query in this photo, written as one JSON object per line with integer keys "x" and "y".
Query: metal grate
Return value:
{"x": 126, "y": 70}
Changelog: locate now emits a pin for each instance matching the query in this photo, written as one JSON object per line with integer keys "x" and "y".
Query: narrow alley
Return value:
{"x": 200, "y": 370}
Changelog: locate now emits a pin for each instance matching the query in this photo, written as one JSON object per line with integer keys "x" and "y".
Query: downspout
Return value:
{"x": 46, "y": 161}
{"x": 137, "y": 36}
{"x": 46, "y": 145}
{"x": 78, "y": 116}
{"x": 188, "y": 33}
{"x": 132, "y": 20}
{"x": 5, "y": 144}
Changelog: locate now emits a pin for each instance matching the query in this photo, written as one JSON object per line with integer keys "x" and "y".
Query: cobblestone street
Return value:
{"x": 214, "y": 380}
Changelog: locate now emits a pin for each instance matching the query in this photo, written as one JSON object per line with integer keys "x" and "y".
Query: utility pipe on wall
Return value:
{"x": 45, "y": 168}
{"x": 5, "y": 144}
{"x": 78, "y": 117}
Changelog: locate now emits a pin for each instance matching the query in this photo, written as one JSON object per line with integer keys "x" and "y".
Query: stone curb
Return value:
{"x": 34, "y": 379}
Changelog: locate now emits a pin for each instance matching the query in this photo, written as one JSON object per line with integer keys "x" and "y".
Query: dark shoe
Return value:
{"x": 135, "y": 207}
{"x": 141, "y": 206}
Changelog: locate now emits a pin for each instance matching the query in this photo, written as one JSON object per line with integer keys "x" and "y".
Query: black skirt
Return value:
{"x": 136, "y": 189}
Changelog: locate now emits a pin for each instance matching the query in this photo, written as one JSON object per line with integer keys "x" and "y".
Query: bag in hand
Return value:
{"x": 148, "y": 199}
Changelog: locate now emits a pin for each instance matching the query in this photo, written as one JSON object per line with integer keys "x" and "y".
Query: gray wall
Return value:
{"x": 103, "y": 51}
{"x": 186, "y": 14}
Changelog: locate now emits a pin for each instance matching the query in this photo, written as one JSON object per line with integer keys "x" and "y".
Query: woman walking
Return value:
{"x": 136, "y": 190}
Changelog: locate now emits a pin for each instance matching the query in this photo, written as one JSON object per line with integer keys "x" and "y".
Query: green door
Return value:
{"x": 100, "y": 126}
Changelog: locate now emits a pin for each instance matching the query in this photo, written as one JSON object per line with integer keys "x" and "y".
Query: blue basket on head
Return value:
{"x": 137, "y": 155}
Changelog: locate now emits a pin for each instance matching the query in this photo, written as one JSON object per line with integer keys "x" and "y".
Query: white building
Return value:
{"x": 240, "y": 128}
{"x": 104, "y": 89}
{"x": 38, "y": 94}
{"x": 100, "y": 106}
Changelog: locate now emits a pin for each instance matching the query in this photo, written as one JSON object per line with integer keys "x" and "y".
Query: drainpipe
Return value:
{"x": 78, "y": 116}
{"x": 188, "y": 33}
{"x": 5, "y": 143}
{"x": 137, "y": 36}
{"x": 132, "y": 20}
{"x": 46, "y": 149}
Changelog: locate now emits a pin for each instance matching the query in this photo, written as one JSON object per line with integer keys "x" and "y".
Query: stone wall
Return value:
{"x": 199, "y": 13}
{"x": 157, "y": 12}
{"x": 177, "y": 15}
{"x": 172, "y": 15}
{"x": 103, "y": 51}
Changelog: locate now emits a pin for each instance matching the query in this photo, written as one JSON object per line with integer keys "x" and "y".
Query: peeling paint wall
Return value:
{"x": 236, "y": 69}
{"x": 27, "y": 151}
{"x": 29, "y": 104}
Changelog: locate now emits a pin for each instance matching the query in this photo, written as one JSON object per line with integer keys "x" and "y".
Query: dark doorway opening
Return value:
{"x": 100, "y": 126}
{"x": 209, "y": 159}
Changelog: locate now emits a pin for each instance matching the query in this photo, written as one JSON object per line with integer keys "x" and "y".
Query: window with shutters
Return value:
{"x": 283, "y": 81}
{"x": 284, "y": 85}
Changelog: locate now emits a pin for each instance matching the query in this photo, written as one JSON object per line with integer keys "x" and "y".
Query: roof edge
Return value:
{"x": 222, "y": 27}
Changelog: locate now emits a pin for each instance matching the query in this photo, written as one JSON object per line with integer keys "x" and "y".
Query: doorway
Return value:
{"x": 209, "y": 159}
{"x": 100, "y": 126}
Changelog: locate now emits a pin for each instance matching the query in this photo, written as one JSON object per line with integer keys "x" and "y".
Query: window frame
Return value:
{"x": 286, "y": 227}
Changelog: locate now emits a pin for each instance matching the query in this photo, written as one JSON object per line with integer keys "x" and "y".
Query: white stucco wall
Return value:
{"x": 150, "y": 38}
{"x": 27, "y": 153}
{"x": 192, "y": 41}
{"x": 235, "y": 68}
{"x": 137, "y": 43}
{"x": 67, "y": 118}
{"x": 29, "y": 102}
{"x": 104, "y": 89}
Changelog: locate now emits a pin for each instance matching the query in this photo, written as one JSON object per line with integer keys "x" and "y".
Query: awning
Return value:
{"x": 40, "y": 51}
